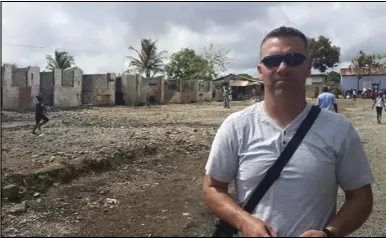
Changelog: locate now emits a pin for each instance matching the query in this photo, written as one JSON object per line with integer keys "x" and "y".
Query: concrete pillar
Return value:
{"x": 162, "y": 90}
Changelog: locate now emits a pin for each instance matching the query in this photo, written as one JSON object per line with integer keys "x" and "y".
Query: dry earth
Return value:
{"x": 125, "y": 171}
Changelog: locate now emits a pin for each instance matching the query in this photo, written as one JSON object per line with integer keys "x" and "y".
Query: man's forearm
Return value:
{"x": 336, "y": 108}
{"x": 352, "y": 215}
{"x": 224, "y": 206}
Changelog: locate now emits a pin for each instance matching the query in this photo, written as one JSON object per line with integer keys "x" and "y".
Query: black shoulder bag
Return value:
{"x": 224, "y": 229}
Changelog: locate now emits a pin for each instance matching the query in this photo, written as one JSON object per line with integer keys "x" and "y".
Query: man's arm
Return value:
{"x": 335, "y": 107}
{"x": 356, "y": 209}
{"x": 219, "y": 201}
{"x": 354, "y": 176}
{"x": 335, "y": 104}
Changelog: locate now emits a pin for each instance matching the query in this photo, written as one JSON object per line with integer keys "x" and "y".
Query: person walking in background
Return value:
{"x": 39, "y": 114}
{"x": 327, "y": 100}
{"x": 379, "y": 104}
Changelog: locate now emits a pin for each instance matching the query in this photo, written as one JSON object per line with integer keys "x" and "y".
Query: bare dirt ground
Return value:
{"x": 125, "y": 171}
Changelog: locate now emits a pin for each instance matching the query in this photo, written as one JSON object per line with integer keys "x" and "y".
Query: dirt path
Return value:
{"x": 154, "y": 194}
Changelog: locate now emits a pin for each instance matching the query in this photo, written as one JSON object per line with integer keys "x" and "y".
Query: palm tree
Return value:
{"x": 61, "y": 60}
{"x": 149, "y": 61}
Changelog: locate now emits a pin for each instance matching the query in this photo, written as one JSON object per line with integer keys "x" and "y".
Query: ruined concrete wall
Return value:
{"x": 98, "y": 89}
{"x": 68, "y": 88}
{"x": 129, "y": 88}
{"x": 34, "y": 83}
{"x": 20, "y": 87}
{"x": 136, "y": 89}
{"x": 217, "y": 91}
{"x": 189, "y": 91}
{"x": 19, "y": 77}
{"x": 205, "y": 91}
{"x": 47, "y": 85}
{"x": 10, "y": 94}
{"x": 152, "y": 87}
{"x": 172, "y": 92}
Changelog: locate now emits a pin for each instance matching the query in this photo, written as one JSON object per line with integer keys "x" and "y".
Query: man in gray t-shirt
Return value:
{"x": 302, "y": 202}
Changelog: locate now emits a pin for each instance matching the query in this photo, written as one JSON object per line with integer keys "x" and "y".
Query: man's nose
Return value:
{"x": 283, "y": 67}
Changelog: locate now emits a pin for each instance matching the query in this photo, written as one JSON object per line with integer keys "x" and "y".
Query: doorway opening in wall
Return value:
{"x": 152, "y": 100}
{"x": 119, "y": 98}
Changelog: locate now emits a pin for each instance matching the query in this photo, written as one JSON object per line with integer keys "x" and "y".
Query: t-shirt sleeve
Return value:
{"x": 353, "y": 170}
{"x": 318, "y": 101}
{"x": 222, "y": 163}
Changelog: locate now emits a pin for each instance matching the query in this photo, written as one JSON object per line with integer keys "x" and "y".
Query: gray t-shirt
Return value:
{"x": 304, "y": 197}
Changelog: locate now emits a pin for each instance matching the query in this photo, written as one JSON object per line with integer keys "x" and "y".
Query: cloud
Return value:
{"x": 98, "y": 34}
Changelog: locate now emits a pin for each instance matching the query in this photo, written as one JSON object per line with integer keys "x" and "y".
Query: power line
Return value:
{"x": 57, "y": 48}
{"x": 21, "y": 45}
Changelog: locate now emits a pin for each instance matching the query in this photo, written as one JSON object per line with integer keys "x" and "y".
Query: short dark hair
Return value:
{"x": 325, "y": 89}
{"x": 284, "y": 31}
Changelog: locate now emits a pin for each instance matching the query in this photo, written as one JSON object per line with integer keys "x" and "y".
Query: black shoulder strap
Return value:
{"x": 274, "y": 172}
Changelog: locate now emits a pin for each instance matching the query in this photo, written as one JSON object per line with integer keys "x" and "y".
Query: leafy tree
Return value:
{"x": 246, "y": 76}
{"x": 324, "y": 55}
{"x": 333, "y": 78}
{"x": 61, "y": 60}
{"x": 217, "y": 58}
{"x": 186, "y": 64}
{"x": 148, "y": 61}
{"x": 362, "y": 60}
{"x": 381, "y": 60}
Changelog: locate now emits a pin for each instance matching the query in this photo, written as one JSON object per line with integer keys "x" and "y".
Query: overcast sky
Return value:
{"x": 99, "y": 34}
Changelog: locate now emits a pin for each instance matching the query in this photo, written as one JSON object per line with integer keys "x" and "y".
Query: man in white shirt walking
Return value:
{"x": 302, "y": 201}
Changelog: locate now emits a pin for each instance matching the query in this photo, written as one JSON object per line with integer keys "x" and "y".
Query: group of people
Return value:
{"x": 322, "y": 151}
{"x": 327, "y": 101}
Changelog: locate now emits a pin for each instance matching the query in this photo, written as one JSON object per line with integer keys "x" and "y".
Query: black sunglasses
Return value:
{"x": 292, "y": 60}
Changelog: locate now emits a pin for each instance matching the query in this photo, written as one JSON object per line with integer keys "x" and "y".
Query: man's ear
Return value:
{"x": 259, "y": 73}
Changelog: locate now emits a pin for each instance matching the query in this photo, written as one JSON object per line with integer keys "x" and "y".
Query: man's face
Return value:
{"x": 284, "y": 78}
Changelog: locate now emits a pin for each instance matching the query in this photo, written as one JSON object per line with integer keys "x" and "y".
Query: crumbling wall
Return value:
{"x": 190, "y": 91}
{"x": 129, "y": 88}
{"x": 172, "y": 91}
{"x": 68, "y": 88}
{"x": 137, "y": 89}
{"x": 98, "y": 89}
{"x": 47, "y": 85}
{"x": 20, "y": 87}
{"x": 10, "y": 93}
{"x": 205, "y": 91}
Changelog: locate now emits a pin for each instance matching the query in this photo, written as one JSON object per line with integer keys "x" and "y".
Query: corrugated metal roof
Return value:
{"x": 235, "y": 77}
{"x": 242, "y": 83}
{"x": 362, "y": 71}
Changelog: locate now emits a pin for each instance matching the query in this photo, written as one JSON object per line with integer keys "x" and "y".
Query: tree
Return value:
{"x": 61, "y": 60}
{"x": 246, "y": 76}
{"x": 362, "y": 60}
{"x": 217, "y": 58}
{"x": 381, "y": 60}
{"x": 186, "y": 64}
{"x": 149, "y": 61}
{"x": 323, "y": 54}
{"x": 333, "y": 78}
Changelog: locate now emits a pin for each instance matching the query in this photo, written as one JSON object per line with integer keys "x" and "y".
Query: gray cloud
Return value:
{"x": 98, "y": 34}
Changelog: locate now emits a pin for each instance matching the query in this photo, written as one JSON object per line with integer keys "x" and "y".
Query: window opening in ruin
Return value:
{"x": 152, "y": 100}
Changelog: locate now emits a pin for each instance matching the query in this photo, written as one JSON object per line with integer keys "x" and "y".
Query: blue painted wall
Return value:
{"x": 347, "y": 82}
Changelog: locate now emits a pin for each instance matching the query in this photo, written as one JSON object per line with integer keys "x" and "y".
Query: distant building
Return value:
{"x": 316, "y": 80}
{"x": 241, "y": 87}
{"x": 370, "y": 76}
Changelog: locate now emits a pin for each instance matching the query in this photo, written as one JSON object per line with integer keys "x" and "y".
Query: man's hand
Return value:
{"x": 314, "y": 233}
{"x": 254, "y": 227}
